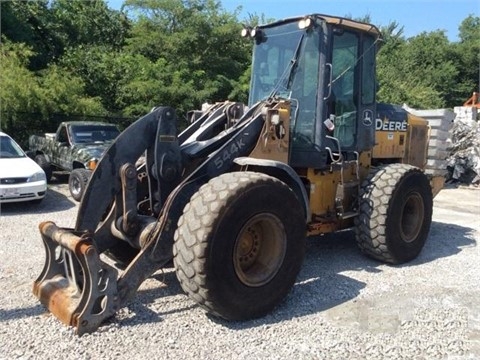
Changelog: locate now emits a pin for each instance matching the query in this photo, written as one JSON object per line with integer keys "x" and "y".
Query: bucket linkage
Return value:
{"x": 129, "y": 212}
{"x": 76, "y": 285}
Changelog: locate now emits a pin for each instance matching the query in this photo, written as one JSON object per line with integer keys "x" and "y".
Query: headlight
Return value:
{"x": 305, "y": 23}
{"x": 38, "y": 176}
{"x": 246, "y": 31}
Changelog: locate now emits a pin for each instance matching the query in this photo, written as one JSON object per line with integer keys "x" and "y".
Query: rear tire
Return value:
{"x": 240, "y": 244}
{"x": 395, "y": 213}
{"x": 42, "y": 161}
{"x": 77, "y": 182}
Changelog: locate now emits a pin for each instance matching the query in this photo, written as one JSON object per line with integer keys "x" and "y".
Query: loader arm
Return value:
{"x": 154, "y": 133}
{"x": 77, "y": 286}
{"x": 159, "y": 238}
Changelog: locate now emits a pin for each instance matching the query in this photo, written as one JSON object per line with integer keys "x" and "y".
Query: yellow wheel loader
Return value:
{"x": 232, "y": 197}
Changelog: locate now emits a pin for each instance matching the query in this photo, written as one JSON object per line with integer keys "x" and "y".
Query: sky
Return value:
{"x": 416, "y": 16}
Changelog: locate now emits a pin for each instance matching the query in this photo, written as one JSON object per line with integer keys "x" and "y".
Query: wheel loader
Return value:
{"x": 232, "y": 197}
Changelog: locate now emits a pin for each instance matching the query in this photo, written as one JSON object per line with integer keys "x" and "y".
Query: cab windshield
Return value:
{"x": 286, "y": 64}
{"x": 93, "y": 133}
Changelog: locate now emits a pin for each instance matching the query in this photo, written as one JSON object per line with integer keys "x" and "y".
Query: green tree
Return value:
{"x": 467, "y": 51}
{"x": 419, "y": 71}
{"x": 91, "y": 22}
{"x": 49, "y": 27}
{"x": 77, "y": 56}
{"x": 429, "y": 62}
{"x": 32, "y": 23}
{"x": 197, "y": 41}
{"x": 19, "y": 88}
{"x": 29, "y": 98}
{"x": 101, "y": 68}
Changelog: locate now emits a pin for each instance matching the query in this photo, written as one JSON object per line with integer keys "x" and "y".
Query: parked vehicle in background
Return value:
{"x": 21, "y": 179}
{"x": 75, "y": 148}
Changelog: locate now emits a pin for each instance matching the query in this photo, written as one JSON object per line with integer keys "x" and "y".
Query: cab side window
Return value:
{"x": 344, "y": 104}
{"x": 62, "y": 135}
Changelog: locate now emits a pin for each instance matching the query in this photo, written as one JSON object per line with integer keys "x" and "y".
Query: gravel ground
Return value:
{"x": 344, "y": 305}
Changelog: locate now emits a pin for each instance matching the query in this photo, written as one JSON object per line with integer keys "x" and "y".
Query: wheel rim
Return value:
{"x": 76, "y": 186}
{"x": 412, "y": 217}
{"x": 259, "y": 250}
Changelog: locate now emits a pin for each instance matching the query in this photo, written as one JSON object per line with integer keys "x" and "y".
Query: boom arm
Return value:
{"x": 78, "y": 287}
{"x": 154, "y": 133}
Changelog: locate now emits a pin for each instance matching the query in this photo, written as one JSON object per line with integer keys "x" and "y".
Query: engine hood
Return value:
{"x": 18, "y": 167}
{"x": 86, "y": 152}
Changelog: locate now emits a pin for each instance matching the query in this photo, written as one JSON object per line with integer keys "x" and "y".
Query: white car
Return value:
{"x": 21, "y": 179}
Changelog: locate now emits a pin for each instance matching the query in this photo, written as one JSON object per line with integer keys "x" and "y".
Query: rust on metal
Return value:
{"x": 58, "y": 298}
{"x": 75, "y": 285}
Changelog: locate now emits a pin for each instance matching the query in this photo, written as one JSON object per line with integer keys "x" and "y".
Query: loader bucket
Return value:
{"x": 75, "y": 285}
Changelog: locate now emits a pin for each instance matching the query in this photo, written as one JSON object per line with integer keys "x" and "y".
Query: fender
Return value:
{"x": 38, "y": 152}
{"x": 282, "y": 172}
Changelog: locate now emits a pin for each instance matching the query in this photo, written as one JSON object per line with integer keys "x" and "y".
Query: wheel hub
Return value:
{"x": 412, "y": 217}
{"x": 249, "y": 246}
{"x": 259, "y": 250}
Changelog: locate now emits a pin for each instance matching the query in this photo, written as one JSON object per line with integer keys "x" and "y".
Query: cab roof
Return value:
{"x": 335, "y": 20}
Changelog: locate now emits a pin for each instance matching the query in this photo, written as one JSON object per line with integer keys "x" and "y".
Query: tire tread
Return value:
{"x": 200, "y": 217}
{"x": 376, "y": 198}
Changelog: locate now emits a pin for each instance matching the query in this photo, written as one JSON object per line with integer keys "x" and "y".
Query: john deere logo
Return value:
{"x": 392, "y": 125}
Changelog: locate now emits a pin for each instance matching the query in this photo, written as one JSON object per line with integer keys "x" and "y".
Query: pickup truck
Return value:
{"x": 75, "y": 149}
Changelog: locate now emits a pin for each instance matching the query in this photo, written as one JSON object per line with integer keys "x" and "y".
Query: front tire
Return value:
{"x": 240, "y": 244}
{"x": 395, "y": 213}
{"x": 77, "y": 182}
{"x": 42, "y": 161}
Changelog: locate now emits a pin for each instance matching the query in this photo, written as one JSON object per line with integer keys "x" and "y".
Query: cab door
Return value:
{"x": 351, "y": 101}
{"x": 61, "y": 152}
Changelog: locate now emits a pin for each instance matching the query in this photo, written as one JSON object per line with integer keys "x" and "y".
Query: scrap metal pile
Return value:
{"x": 454, "y": 146}
{"x": 463, "y": 163}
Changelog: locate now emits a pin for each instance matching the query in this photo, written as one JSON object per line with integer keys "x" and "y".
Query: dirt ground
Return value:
{"x": 343, "y": 306}
{"x": 436, "y": 295}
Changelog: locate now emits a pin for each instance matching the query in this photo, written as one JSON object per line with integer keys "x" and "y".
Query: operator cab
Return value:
{"x": 325, "y": 66}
